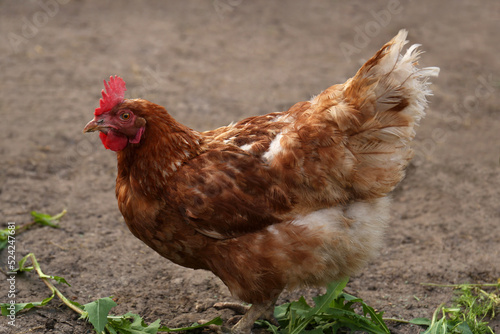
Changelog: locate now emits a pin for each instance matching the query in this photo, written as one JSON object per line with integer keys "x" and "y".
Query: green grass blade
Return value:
{"x": 375, "y": 317}
{"x": 333, "y": 291}
{"x": 421, "y": 321}
{"x": 356, "y": 322}
{"x": 321, "y": 304}
{"x": 332, "y": 311}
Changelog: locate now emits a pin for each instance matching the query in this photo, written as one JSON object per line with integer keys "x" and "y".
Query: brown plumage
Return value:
{"x": 281, "y": 200}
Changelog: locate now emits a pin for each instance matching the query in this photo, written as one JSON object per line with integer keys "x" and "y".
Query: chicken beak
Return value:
{"x": 93, "y": 125}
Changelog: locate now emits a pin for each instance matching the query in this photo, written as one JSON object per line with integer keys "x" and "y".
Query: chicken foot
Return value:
{"x": 251, "y": 314}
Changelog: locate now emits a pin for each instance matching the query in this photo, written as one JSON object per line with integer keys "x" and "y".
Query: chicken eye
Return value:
{"x": 125, "y": 116}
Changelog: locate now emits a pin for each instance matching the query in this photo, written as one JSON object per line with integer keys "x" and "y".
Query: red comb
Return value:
{"x": 114, "y": 94}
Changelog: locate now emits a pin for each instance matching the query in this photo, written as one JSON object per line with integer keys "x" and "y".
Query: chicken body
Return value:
{"x": 288, "y": 199}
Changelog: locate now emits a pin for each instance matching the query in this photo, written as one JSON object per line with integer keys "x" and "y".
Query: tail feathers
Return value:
{"x": 391, "y": 81}
{"x": 389, "y": 95}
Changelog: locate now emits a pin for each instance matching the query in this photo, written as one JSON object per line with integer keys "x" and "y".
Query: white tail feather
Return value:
{"x": 390, "y": 92}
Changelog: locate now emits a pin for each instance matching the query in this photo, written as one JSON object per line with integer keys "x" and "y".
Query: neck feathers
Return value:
{"x": 165, "y": 146}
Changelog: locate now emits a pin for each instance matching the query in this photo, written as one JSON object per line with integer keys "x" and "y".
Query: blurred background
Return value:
{"x": 214, "y": 62}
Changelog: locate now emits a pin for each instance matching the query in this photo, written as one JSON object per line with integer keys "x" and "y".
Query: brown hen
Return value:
{"x": 288, "y": 199}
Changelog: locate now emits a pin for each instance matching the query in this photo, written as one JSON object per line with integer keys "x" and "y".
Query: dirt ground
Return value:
{"x": 213, "y": 62}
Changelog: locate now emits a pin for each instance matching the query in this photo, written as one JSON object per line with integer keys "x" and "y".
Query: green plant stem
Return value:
{"x": 97, "y": 312}
{"x": 45, "y": 279}
{"x": 461, "y": 285}
{"x": 27, "y": 226}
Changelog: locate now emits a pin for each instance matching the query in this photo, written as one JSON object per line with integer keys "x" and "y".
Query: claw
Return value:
{"x": 236, "y": 307}
{"x": 251, "y": 314}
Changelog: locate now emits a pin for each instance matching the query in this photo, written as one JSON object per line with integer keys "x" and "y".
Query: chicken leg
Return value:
{"x": 244, "y": 326}
{"x": 251, "y": 314}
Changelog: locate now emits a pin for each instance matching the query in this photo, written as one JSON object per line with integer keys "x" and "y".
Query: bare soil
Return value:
{"x": 210, "y": 63}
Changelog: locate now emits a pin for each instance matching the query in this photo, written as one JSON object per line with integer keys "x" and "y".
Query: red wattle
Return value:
{"x": 113, "y": 141}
